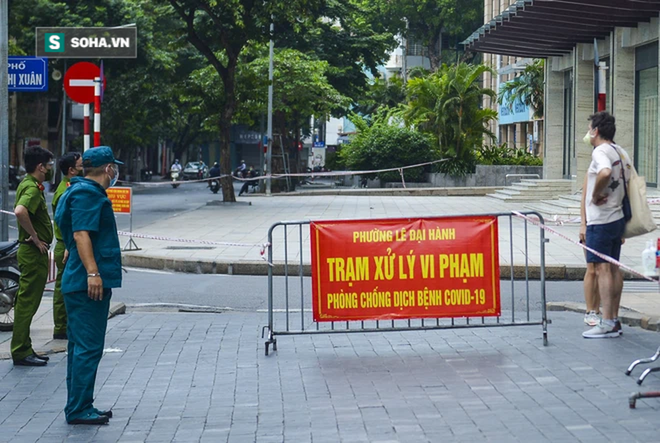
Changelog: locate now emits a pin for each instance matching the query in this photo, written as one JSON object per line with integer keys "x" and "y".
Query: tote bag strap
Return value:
{"x": 623, "y": 171}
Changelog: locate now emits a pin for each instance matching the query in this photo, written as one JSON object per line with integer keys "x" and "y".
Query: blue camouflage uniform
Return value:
{"x": 86, "y": 207}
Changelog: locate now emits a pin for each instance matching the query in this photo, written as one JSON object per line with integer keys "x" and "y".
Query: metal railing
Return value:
{"x": 293, "y": 301}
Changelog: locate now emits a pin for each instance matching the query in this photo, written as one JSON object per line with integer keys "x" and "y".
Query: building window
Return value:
{"x": 415, "y": 48}
{"x": 646, "y": 112}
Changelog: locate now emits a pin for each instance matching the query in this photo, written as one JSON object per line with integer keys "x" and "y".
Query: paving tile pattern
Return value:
{"x": 204, "y": 378}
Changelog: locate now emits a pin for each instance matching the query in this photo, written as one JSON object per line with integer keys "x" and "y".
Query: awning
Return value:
{"x": 547, "y": 28}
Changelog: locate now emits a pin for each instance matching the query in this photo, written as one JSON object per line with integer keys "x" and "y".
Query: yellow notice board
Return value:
{"x": 121, "y": 198}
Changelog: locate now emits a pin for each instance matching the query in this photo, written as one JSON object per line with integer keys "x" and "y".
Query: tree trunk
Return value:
{"x": 226, "y": 117}
{"x": 434, "y": 49}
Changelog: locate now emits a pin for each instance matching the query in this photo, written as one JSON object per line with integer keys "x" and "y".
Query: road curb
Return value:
{"x": 476, "y": 191}
{"x": 116, "y": 309}
{"x": 627, "y": 316}
{"x": 554, "y": 273}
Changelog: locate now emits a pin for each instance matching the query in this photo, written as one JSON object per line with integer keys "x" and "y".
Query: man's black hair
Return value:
{"x": 33, "y": 156}
{"x": 68, "y": 161}
{"x": 605, "y": 123}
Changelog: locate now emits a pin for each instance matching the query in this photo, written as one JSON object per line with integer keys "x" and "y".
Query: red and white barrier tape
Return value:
{"x": 537, "y": 222}
{"x": 262, "y": 246}
{"x": 301, "y": 174}
{"x": 170, "y": 182}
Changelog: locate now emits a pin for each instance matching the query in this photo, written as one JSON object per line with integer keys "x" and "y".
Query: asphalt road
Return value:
{"x": 250, "y": 293}
{"x": 153, "y": 203}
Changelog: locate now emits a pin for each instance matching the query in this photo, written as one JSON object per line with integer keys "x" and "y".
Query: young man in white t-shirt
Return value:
{"x": 605, "y": 222}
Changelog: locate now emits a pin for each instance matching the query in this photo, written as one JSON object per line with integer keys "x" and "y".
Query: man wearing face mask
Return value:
{"x": 35, "y": 233}
{"x": 70, "y": 166}
{"x": 605, "y": 222}
{"x": 87, "y": 223}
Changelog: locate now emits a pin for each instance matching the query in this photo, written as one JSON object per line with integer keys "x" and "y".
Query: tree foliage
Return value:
{"x": 385, "y": 143}
{"x": 428, "y": 20}
{"x": 527, "y": 88}
{"x": 381, "y": 93}
{"x": 447, "y": 105}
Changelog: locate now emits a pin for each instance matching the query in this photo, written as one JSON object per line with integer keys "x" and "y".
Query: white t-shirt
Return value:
{"x": 602, "y": 157}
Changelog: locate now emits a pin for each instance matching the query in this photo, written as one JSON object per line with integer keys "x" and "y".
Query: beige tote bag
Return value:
{"x": 642, "y": 218}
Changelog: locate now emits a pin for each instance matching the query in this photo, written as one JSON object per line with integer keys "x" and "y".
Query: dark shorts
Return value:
{"x": 605, "y": 239}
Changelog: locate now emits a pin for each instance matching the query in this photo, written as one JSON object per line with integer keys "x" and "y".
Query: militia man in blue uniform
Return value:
{"x": 85, "y": 218}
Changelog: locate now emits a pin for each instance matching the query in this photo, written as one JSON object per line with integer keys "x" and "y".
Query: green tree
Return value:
{"x": 429, "y": 20}
{"x": 348, "y": 35}
{"x": 220, "y": 30}
{"x": 300, "y": 89}
{"x": 381, "y": 93}
{"x": 526, "y": 88}
{"x": 383, "y": 143}
{"x": 447, "y": 105}
{"x": 146, "y": 98}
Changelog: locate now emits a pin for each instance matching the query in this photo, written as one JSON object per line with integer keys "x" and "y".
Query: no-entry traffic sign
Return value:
{"x": 79, "y": 82}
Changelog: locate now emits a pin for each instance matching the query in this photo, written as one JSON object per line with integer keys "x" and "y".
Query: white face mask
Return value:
{"x": 115, "y": 177}
{"x": 587, "y": 138}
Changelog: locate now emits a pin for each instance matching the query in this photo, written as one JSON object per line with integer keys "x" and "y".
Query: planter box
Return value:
{"x": 485, "y": 175}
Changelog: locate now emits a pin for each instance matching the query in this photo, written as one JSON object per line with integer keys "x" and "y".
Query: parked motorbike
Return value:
{"x": 174, "y": 174}
{"x": 8, "y": 283}
{"x": 16, "y": 175}
{"x": 214, "y": 184}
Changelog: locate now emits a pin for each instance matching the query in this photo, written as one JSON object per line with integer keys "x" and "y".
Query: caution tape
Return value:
{"x": 262, "y": 246}
{"x": 301, "y": 174}
{"x": 170, "y": 182}
{"x": 607, "y": 258}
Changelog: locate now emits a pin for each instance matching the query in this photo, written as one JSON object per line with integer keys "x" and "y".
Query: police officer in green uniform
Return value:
{"x": 70, "y": 166}
{"x": 87, "y": 223}
{"x": 35, "y": 233}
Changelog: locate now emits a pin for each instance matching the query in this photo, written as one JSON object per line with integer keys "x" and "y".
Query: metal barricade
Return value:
{"x": 293, "y": 301}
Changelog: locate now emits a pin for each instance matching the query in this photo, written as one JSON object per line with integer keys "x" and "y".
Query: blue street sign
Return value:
{"x": 319, "y": 145}
{"x": 28, "y": 74}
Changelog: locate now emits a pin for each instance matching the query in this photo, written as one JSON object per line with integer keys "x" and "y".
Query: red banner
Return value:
{"x": 405, "y": 268}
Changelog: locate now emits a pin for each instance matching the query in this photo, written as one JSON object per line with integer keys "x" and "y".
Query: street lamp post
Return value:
{"x": 269, "y": 150}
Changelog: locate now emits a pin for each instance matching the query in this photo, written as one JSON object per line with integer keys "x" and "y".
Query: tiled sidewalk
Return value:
{"x": 203, "y": 377}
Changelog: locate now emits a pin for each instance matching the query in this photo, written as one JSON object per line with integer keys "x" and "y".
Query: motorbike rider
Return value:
{"x": 215, "y": 170}
{"x": 241, "y": 170}
{"x": 176, "y": 166}
{"x": 251, "y": 173}
{"x": 214, "y": 173}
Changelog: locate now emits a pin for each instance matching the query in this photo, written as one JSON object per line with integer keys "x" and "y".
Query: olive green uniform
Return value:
{"x": 32, "y": 264}
{"x": 59, "y": 310}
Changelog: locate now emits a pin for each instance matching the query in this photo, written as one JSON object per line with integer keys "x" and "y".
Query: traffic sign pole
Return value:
{"x": 97, "y": 111}
{"x": 86, "y": 126}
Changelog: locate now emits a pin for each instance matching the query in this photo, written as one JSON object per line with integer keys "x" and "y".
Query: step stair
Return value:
{"x": 567, "y": 207}
{"x": 533, "y": 190}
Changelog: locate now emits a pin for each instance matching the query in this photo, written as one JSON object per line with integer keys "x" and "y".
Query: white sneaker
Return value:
{"x": 591, "y": 318}
{"x": 601, "y": 330}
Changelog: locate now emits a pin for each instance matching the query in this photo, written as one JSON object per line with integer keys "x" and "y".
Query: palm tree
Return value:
{"x": 447, "y": 104}
{"x": 526, "y": 88}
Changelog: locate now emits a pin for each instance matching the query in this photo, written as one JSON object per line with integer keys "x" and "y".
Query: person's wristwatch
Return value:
{"x": 96, "y": 274}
